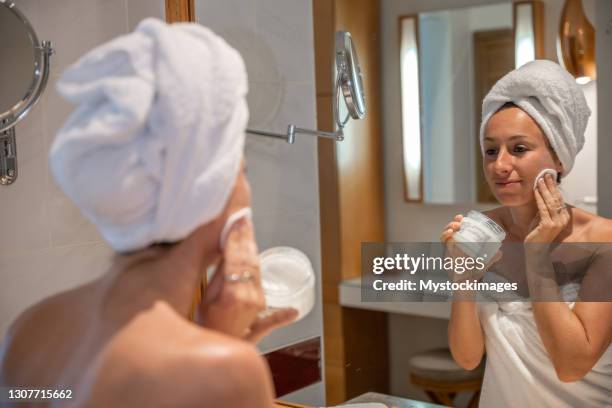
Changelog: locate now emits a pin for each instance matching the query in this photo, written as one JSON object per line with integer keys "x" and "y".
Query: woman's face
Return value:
{"x": 515, "y": 151}
{"x": 240, "y": 197}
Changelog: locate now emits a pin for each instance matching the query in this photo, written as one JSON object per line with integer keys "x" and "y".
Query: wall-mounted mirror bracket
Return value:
{"x": 348, "y": 81}
{"x": 8, "y": 155}
{"x": 24, "y": 72}
{"x": 8, "y": 145}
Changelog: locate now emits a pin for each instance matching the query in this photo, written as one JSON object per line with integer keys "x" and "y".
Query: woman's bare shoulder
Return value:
{"x": 162, "y": 352}
{"x": 40, "y": 331}
{"x": 596, "y": 228}
{"x": 496, "y": 214}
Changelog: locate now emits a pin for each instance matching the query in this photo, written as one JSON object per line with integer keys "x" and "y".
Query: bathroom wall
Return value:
{"x": 603, "y": 27}
{"x": 580, "y": 186}
{"x": 46, "y": 245}
{"x": 276, "y": 40}
{"x": 407, "y": 222}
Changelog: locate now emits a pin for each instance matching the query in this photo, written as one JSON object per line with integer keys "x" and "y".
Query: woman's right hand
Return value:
{"x": 451, "y": 228}
{"x": 451, "y": 249}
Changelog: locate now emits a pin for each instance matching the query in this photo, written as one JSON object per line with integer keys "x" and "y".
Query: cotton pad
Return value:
{"x": 542, "y": 174}
{"x": 245, "y": 212}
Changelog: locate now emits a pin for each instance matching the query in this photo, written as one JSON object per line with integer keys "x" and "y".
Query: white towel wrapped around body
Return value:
{"x": 519, "y": 372}
{"x": 154, "y": 146}
{"x": 550, "y": 95}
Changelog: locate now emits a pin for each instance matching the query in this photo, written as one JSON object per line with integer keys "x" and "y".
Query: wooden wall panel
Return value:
{"x": 351, "y": 189}
{"x": 359, "y": 156}
{"x": 180, "y": 10}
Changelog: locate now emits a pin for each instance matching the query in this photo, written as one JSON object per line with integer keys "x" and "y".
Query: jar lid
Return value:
{"x": 492, "y": 226}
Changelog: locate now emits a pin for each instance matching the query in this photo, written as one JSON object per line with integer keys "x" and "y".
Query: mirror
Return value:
{"x": 449, "y": 60}
{"x": 349, "y": 81}
{"x": 23, "y": 76}
{"x": 349, "y": 76}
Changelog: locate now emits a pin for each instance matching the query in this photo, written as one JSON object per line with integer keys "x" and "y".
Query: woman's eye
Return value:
{"x": 520, "y": 149}
{"x": 490, "y": 152}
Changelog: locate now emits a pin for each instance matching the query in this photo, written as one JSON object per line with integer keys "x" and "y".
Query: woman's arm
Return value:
{"x": 465, "y": 334}
{"x": 575, "y": 339}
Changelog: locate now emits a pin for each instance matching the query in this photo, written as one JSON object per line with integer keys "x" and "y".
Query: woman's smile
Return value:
{"x": 508, "y": 184}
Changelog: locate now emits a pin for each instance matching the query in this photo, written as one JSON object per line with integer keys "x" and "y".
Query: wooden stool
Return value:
{"x": 442, "y": 379}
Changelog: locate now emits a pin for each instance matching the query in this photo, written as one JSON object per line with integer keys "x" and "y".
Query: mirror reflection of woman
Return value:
{"x": 540, "y": 353}
{"x": 153, "y": 156}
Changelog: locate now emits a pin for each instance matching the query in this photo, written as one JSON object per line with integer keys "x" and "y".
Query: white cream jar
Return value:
{"x": 287, "y": 279}
{"x": 479, "y": 235}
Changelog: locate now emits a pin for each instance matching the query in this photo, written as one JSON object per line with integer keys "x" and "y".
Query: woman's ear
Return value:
{"x": 559, "y": 171}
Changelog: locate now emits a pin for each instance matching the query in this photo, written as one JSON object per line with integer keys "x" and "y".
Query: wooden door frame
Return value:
{"x": 180, "y": 11}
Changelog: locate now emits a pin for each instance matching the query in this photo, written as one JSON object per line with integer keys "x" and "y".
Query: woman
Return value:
{"x": 544, "y": 353}
{"x": 153, "y": 156}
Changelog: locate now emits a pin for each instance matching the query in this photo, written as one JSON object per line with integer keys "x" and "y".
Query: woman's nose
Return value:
{"x": 503, "y": 163}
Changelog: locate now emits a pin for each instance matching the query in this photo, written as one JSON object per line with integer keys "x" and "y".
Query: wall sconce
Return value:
{"x": 576, "y": 42}
{"x": 411, "y": 108}
{"x": 528, "y": 20}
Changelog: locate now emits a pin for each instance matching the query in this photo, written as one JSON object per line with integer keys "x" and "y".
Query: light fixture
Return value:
{"x": 411, "y": 108}
{"x": 527, "y": 23}
{"x": 576, "y": 42}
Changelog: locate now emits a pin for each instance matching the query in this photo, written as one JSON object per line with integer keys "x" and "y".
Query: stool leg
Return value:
{"x": 442, "y": 398}
{"x": 433, "y": 397}
{"x": 475, "y": 399}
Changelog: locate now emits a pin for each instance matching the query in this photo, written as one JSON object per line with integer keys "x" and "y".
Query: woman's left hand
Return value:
{"x": 553, "y": 215}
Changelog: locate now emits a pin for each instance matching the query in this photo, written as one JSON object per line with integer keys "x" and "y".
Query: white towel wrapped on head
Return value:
{"x": 154, "y": 146}
{"x": 550, "y": 95}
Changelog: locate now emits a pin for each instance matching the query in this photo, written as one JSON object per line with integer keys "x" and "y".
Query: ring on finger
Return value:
{"x": 244, "y": 276}
{"x": 561, "y": 208}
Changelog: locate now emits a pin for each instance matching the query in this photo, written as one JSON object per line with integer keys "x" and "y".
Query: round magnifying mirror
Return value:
{"x": 24, "y": 67}
{"x": 349, "y": 75}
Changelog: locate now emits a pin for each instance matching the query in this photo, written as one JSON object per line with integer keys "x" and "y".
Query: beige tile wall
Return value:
{"x": 45, "y": 244}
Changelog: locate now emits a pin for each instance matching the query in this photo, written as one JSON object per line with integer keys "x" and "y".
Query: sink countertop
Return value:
{"x": 391, "y": 401}
{"x": 350, "y": 296}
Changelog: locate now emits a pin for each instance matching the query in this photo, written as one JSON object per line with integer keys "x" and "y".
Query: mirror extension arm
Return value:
{"x": 292, "y": 130}
{"x": 348, "y": 81}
